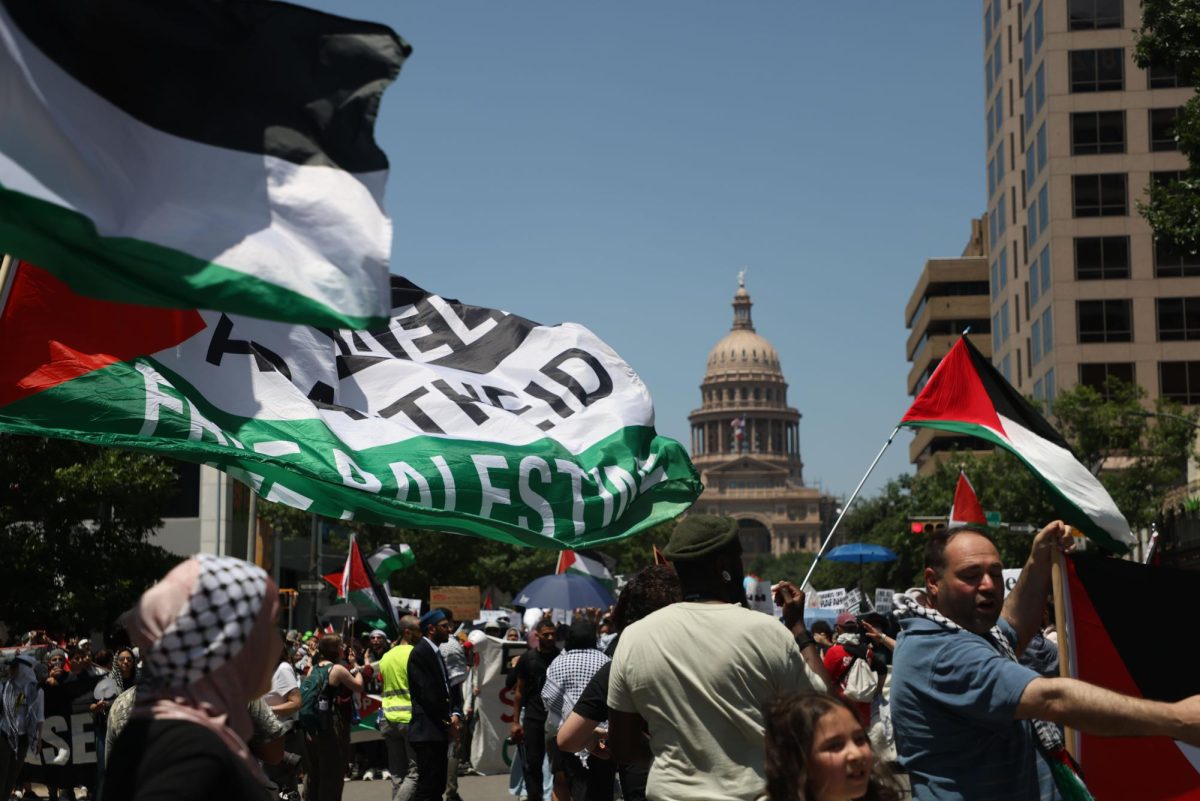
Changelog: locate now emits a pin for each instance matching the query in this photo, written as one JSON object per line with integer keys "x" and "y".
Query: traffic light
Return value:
{"x": 926, "y": 525}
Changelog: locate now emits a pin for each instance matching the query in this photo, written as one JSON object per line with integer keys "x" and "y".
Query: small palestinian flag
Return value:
{"x": 967, "y": 395}
{"x": 358, "y": 585}
{"x": 1116, "y": 640}
{"x": 586, "y": 563}
{"x": 388, "y": 559}
{"x": 966, "y": 508}
{"x": 199, "y": 154}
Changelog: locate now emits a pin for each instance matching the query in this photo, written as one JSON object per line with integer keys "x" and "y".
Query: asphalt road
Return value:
{"x": 471, "y": 788}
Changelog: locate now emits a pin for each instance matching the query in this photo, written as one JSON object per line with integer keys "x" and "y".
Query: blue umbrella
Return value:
{"x": 861, "y": 552}
{"x": 564, "y": 591}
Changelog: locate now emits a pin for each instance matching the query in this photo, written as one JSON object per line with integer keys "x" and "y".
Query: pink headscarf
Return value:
{"x": 207, "y": 637}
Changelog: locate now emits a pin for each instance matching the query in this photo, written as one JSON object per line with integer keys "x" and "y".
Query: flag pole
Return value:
{"x": 846, "y": 508}
{"x": 1066, "y": 650}
{"x": 8, "y": 274}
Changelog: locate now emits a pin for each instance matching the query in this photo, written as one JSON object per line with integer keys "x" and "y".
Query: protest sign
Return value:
{"x": 462, "y": 601}
{"x": 407, "y": 606}
{"x": 69, "y": 736}
{"x": 853, "y": 602}
{"x": 1010, "y": 579}
{"x": 832, "y": 599}
{"x": 491, "y": 750}
{"x": 758, "y": 594}
{"x": 883, "y": 600}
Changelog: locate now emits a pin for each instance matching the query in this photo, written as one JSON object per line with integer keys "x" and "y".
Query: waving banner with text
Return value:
{"x": 449, "y": 416}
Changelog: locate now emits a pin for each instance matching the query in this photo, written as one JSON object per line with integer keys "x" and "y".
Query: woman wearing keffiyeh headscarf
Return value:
{"x": 21, "y": 716}
{"x": 207, "y": 636}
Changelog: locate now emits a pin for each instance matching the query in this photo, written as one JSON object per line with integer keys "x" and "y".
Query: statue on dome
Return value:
{"x": 742, "y": 278}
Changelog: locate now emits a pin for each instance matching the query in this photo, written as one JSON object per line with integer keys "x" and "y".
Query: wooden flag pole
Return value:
{"x": 846, "y": 508}
{"x": 1062, "y": 625}
{"x": 8, "y": 273}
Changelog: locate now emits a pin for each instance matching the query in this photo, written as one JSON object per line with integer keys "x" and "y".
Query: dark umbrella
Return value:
{"x": 861, "y": 552}
{"x": 564, "y": 591}
{"x": 339, "y": 612}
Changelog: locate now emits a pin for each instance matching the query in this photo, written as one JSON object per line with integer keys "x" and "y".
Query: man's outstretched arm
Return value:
{"x": 1096, "y": 710}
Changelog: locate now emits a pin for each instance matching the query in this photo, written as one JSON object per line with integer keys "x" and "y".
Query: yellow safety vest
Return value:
{"x": 397, "y": 702}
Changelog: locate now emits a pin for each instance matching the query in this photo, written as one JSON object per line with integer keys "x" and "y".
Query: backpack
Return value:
{"x": 314, "y": 693}
{"x": 860, "y": 681}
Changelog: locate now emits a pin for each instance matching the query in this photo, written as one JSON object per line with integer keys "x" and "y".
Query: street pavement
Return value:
{"x": 471, "y": 788}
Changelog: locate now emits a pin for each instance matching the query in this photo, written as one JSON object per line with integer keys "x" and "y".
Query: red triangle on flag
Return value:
{"x": 52, "y": 335}
{"x": 966, "y": 507}
{"x": 955, "y": 393}
{"x": 565, "y": 560}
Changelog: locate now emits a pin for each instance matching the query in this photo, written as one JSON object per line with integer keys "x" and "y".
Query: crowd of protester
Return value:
{"x": 678, "y": 692}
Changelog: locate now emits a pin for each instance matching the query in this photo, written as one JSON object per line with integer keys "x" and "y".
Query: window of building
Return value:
{"x": 1038, "y": 392}
{"x": 1164, "y": 77}
{"x": 1095, "y": 375}
{"x": 996, "y": 343}
{"x": 1090, "y": 15}
{"x": 991, "y": 177}
{"x": 1030, "y": 168}
{"x": 1175, "y": 262}
{"x": 1001, "y": 208}
{"x": 992, "y": 229}
{"x": 1003, "y": 265}
{"x": 1006, "y": 368}
{"x": 987, "y": 72}
{"x": 1039, "y": 27}
{"x": 999, "y": 108}
{"x": 1049, "y": 383}
{"x": 1041, "y": 148}
{"x": 1034, "y": 289}
{"x": 1097, "y": 70}
{"x": 1178, "y": 319}
{"x": 995, "y": 283}
{"x": 1045, "y": 270}
{"x": 1104, "y": 320}
{"x": 997, "y": 59}
{"x": 1047, "y": 331}
{"x": 1095, "y": 132}
{"x": 1099, "y": 258}
{"x": 1035, "y": 342}
{"x": 999, "y": 162}
{"x": 1099, "y": 195}
{"x": 1162, "y": 129}
{"x": 1027, "y": 51}
{"x": 1004, "y": 321}
{"x": 987, "y": 24}
{"x": 1179, "y": 381}
{"x": 1029, "y": 107}
{"x": 1031, "y": 224}
{"x": 1044, "y": 207}
{"x": 1039, "y": 87}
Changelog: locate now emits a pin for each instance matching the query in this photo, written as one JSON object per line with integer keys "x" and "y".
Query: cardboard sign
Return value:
{"x": 853, "y": 602}
{"x": 832, "y": 599}
{"x": 462, "y": 601}
{"x": 883, "y": 600}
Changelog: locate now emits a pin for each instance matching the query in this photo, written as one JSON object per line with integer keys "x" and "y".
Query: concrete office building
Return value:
{"x": 951, "y": 295}
{"x": 746, "y": 445}
{"x": 1075, "y": 133}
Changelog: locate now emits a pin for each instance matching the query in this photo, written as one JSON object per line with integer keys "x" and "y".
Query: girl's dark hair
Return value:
{"x": 103, "y": 658}
{"x": 791, "y": 720}
{"x": 650, "y": 590}
{"x": 330, "y": 647}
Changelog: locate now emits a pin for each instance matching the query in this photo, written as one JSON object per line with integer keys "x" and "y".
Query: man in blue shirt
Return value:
{"x": 964, "y": 710}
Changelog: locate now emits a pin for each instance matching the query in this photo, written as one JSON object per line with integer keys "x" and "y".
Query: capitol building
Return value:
{"x": 746, "y": 445}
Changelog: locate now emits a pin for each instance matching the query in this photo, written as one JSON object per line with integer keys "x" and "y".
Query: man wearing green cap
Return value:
{"x": 695, "y": 675}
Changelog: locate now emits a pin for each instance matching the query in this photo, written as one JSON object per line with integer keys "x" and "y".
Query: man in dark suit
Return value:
{"x": 435, "y": 717}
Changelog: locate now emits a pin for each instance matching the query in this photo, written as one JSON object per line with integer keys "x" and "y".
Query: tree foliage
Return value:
{"x": 1170, "y": 37}
{"x": 1140, "y": 456}
{"x": 74, "y": 524}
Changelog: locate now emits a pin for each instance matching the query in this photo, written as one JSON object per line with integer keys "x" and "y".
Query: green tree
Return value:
{"x": 1169, "y": 37}
{"x": 74, "y": 525}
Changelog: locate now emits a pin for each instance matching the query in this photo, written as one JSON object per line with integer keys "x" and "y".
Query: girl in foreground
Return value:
{"x": 817, "y": 751}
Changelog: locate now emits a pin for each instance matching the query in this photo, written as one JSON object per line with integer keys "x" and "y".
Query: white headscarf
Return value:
{"x": 22, "y": 703}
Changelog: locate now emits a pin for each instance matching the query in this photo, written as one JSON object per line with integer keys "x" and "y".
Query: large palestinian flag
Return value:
{"x": 967, "y": 395}
{"x": 199, "y": 154}
{"x": 448, "y": 416}
{"x": 1128, "y": 633}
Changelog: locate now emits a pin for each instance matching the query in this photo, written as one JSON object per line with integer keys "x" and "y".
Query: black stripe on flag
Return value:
{"x": 1144, "y": 610}
{"x": 255, "y": 76}
{"x": 1008, "y": 402}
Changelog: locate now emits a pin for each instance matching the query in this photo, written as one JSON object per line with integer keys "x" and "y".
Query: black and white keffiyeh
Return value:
{"x": 214, "y": 623}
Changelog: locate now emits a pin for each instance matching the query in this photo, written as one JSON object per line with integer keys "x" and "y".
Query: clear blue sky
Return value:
{"x": 615, "y": 163}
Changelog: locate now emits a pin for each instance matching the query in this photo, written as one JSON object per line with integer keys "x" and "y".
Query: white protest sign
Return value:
{"x": 853, "y": 602}
{"x": 832, "y": 599}
{"x": 883, "y": 600}
{"x": 758, "y": 594}
{"x": 1010, "y": 579}
{"x": 407, "y": 606}
{"x": 491, "y": 749}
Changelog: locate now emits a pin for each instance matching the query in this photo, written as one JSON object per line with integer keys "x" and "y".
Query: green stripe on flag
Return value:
{"x": 66, "y": 243}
